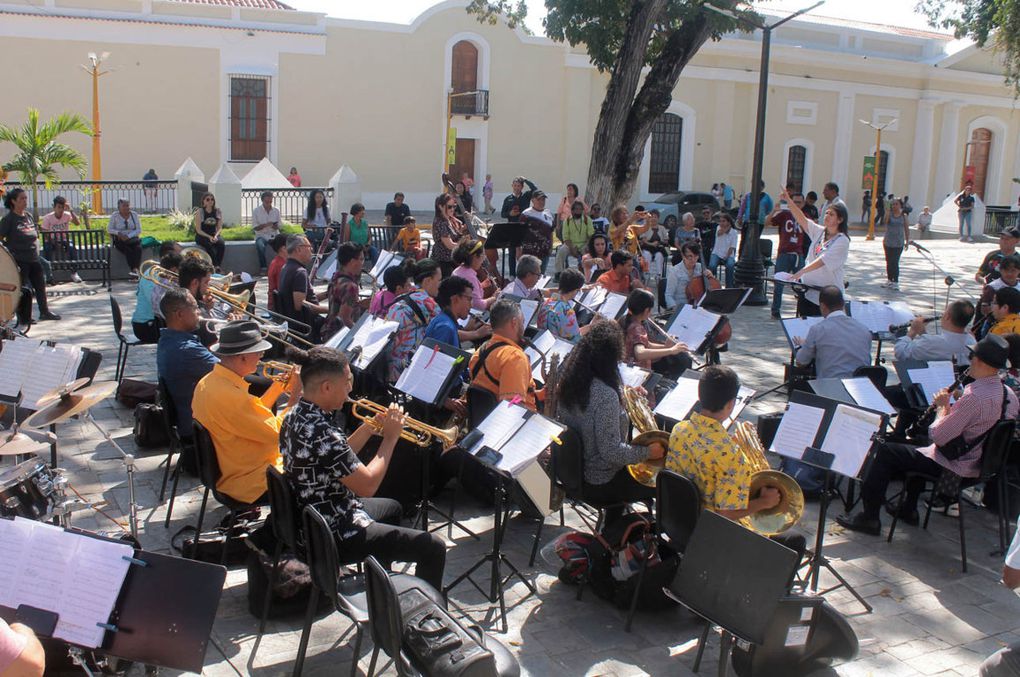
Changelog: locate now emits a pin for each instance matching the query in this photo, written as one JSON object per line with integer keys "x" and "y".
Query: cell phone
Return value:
{"x": 42, "y": 622}
{"x": 471, "y": 438}
{"x": 489, "y": 455}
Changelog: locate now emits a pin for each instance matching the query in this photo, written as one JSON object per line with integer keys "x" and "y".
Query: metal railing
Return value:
{"x": 999, "y": 217}
{"x": 146, "y": 197}
{"x": 292, "y": 202}
{"x": 470, "y": 103}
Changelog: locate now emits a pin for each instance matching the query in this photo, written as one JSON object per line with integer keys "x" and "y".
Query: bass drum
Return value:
{"x": 794, "y": 645}
{"x": 10, "y": 286}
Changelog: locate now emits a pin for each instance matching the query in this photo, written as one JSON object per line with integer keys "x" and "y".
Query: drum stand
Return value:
{"x": 129, "y": 465}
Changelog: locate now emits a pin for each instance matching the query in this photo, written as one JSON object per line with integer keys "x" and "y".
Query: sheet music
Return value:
{"x": 528, "y": 308}
{"x": 633, "y": 376}
{"x": 499, "y": 426}
{"x": 426, "y": 374}
{"x": 15, "y": 365}
{"x": 540, "y": 344}
{"x": 797, "y": 430}
{"x": 798, "y": 326}
{"x": 559, "y": 347}
{"x": 543, "y": 282}
{"x": 933, "y": 378}
{"x": 594, "y": 297}
{"x": 335, "y": 340}
{"x": 14, "y": 535}
{"x": 326, "y": 272}
{"x": 612, "y": 306}
{"x": 849, "y": 438}
{"x": 692, "y": 325}
{"x": 75, "y": 576}
{"x": 527, "y": 443}
{"x": 878, "y": 315}
{"x": 373, "y": 336}
{"x": 679, "y": 401}
{"x": 867, "y": 395}
{"x": 744, "y": 395}
{"x": 387, "y": 259}
{"x": 52, "y": 367}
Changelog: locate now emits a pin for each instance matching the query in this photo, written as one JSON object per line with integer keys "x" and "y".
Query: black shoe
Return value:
{"x": 48, "y": 316}
{"x": 907, "y": 515}
{"x": 860, "y": 523}
{"x": 775, "y": 316}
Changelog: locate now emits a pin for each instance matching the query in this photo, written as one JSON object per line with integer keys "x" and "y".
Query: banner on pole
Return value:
{"x": 868, "y": 175}
{"x": 451, "y": 147}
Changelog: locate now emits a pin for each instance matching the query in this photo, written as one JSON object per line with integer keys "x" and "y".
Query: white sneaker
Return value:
{"x": 75, "y": 277}
{"x": 895, "y": 286}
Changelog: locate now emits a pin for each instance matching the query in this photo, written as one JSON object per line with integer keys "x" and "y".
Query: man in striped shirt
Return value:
{"x": 972, "y": 415}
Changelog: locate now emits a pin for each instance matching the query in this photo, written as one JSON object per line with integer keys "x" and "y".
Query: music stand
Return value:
{"x": 507, "y": 235}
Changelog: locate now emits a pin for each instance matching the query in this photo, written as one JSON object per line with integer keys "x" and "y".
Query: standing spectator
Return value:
{"x": 356, "y": 231}
{"x": 830, "y": 192}
{"x": 724, "y": 250}
{"x": 897, "y": 232}
{"x": 446, "y": 232}
{"x": 790, "y": 256}
{"x": 1006, "y": 661}
{"x": 764, "y": 208}
{"x": 57, "y": 222}
{"x": 294, "y": 177}
{"x": 567, "y": 203}
{"x": 907, "y": 207}
{"x": 126, "y": 229}
{"x": 518, "y": 200}
{"x": 468, "y": 182}
{"x": 538, "y": 223}
{"x": 19, "y": 235}
{"x": 965, "y": 211}
{"x": 865, "y": 206}
{"x": 149, "y": 188}
{"x": 397, "y": 211}
{"x": 716, "y": 191}
{"x": 810, "y": 208}
{"x": 575, "y": 231}
{"x": 487, "y": 194}
{"x": 727, "y": 196}
{"x": 924, "y": 222}
{"x": 279, "y": 245}
{"x": 880, "y": 209}
{"x": 316, "y": 218}
{"x": 208, "y": 229}
{"x": 408, "y": 240}
{"x": 265, "y": 221}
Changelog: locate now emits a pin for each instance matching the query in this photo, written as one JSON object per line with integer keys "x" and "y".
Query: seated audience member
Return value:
{"x": 654, "y": 243}
{"x": 953, "y": 342}
{"x": 345, "y": 306}
{"x": 145, "y": 321}
{"x": 595, "y": 260}
{"x": 58, "y": 221}
{"x": 21, "y": 652}
{"x": 125, "y": 228}
{"x": 557, "y": 312}
{"x": 671, "y": 360}
{"x": 975, "y": 412}
{"x": 680, "y": 275}
{"x": 316, "y": 218}
{"x": 279, "y": 245}
{"x": 590, "y": 403}
{"x": 687, "y": 232}
{"x": 839, "y": 344}
{"x": 408, "y": 240}
{"x": 529, "y": 270}
{"x": 397, "y": 280}
{"x": 575, "y": 231}
{"x": 724, "y": 251}
{"x": 1006, "y": 311}
{"x": 324, "y": 471}
{"x": 243, "y": 427}
{"x": 295, "y": 295}
{"x": 620, "y": 277}
{"x": 469, "y": 257}
{"x": 181, "y": 359}
{"x": 538, "y": 230}
{"x": 500, "y": 365}
{"x": 356, "y": 231}
{"x": 265, "y": 221}
{"x": 412, "y": 312}
{"x": 209, "y": 230}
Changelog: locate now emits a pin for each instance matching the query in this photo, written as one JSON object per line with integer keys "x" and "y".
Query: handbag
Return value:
{"x": 958, "y": 446}
{"x": 440, "y": 644}
{"x": 150, "y": 429}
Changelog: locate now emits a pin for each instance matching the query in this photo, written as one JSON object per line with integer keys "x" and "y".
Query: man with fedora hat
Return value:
{"x": 976, "y": 412}
{"x": 243, "y": 427}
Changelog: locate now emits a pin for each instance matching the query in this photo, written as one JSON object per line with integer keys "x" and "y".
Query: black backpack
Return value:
{"x": 622, "y": 545}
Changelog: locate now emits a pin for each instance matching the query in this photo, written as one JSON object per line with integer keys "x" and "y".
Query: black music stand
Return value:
{"x": 507, "y": 235}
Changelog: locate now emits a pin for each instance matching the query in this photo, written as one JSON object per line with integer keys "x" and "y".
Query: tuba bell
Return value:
{"x": 643, "y": 420}
{"x": 790, "y": 508}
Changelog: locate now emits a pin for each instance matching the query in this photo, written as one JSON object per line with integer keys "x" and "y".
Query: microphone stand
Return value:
{"x": 936, "y": 269}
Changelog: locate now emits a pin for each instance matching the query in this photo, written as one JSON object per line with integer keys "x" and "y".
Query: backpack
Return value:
{"x": 149, "y": 430}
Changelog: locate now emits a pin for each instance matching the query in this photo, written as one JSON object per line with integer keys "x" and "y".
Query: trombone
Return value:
{"x": 415, "y": 432}
{"x": 240, "y": 302}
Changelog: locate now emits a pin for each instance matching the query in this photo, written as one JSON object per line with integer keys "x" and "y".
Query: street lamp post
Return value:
{"x": 878, "y": 169}
{"x": 749, "y": 271}
{"x": 97, "y": 167}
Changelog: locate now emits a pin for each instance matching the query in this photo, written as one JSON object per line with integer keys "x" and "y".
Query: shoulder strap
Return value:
{"x": 483, "y": 355}
{"x": 415, "y": 308}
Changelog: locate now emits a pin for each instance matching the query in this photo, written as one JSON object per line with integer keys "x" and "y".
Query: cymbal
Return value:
{"x": 61, "y": 391}
{"x": 21, "y": 444}
{"x": 71, "y": 404}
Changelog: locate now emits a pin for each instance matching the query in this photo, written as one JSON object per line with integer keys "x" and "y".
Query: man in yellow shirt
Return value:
{"x": 1006, "y": 311}
{"x": 243, "y": 427}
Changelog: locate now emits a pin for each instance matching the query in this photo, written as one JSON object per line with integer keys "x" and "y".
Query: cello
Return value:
{"x": 696, "y": 289}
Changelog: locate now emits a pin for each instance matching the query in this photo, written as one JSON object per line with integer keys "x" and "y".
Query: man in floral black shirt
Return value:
{"x": 324, "y": 472}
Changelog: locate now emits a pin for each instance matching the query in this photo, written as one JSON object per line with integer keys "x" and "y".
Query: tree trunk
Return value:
{"x": 616, "y": 105}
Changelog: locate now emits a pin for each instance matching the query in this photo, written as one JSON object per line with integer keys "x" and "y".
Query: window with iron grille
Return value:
{"x": 796, "y": 158}
{"x": 249, "y": 118}
{"x": 883, "y": 158}
{"x": 664, "y": 163}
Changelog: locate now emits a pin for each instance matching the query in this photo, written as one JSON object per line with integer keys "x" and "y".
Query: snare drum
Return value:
{"x": 27, "y": 490}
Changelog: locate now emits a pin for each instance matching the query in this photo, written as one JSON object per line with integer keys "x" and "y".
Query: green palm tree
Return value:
{"x": 39, "y": 152}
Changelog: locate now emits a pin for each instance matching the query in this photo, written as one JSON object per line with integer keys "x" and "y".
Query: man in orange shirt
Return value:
{"x": 244, "y": 430}
{"x": 620, "y": 279}
{"x": 500, "y": 365}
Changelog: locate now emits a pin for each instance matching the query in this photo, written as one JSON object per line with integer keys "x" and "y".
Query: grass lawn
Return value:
{"x": 161, "y": 228}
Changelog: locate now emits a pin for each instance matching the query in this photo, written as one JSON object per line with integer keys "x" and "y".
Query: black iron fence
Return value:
{"x": 292, "y": 202}
{"x": 997, "y": 218}
{"x": 146, "y": 197}
{"x": 470, "y": 103}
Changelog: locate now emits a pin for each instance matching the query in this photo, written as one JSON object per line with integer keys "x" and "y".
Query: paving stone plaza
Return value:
{"x": 928, "y": 619}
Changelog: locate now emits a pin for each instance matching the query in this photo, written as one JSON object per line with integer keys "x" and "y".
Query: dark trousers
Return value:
{"x": 131, "y": 249}
{"x": 673, "y": 366}
{"x": 892, "y": 460}
{"x": 387, "y": 541}
{"x": 622, "y": 488}
{"x": 146, "y": 332}
{"x": 32, "y": 275}
{"x": 216, "y": 249}
{"x": 806, "y": 308}
{"x": 892, "y": 263}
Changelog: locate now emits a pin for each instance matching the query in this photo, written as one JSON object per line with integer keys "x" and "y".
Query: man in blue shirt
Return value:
{"x": 455, "y": 300}
{"x": 181, "y": 359}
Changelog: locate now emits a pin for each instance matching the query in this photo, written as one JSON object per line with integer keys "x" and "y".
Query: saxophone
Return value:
{"x": 790, "y": 508}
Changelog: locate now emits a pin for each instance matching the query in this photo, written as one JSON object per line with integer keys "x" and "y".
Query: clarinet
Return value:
{"x": 894, "y": 328}
{"x": 919, "y": 428}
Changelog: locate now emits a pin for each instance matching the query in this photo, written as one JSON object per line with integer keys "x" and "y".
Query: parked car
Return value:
{"x": 672, "y": 205}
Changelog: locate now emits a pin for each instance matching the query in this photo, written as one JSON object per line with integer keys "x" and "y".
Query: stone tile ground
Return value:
{"x": 929, "y": 618}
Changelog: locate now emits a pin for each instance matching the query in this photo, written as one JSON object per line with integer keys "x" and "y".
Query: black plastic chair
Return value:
{"x": 568, "y": 472}
{"x": 875, "y": 373}
{"x": 993, "y": 462}
{"x": 177, "y": 446}
{"x": 480, "y": 403}
{"x": 124, "y": 343}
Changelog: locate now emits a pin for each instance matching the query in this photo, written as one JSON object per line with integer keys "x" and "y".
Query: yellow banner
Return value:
{"x": 451, "y": 146}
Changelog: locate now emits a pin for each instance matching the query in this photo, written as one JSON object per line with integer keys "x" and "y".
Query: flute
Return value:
{"x": 893, "y": 328}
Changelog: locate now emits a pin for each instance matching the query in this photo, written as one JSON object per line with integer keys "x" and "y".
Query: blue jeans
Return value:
{"x": 788, "y": 262}
{"x": 730, "y": 262}
{"x": 966, "y": 217}
{"x": 260, "y": 249}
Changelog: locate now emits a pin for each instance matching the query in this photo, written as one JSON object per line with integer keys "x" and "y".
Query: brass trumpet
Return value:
{"x": 281, "y": 372}
{"x": 415, "y": 432}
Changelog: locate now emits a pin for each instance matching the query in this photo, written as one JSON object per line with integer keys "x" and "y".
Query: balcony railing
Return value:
{"x": 146, "y": 197}
{"x": 470, "y": 103}
{"x": 999, "y": 217}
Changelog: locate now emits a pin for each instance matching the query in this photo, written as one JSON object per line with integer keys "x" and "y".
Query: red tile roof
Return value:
{"x": 251, "y": 4}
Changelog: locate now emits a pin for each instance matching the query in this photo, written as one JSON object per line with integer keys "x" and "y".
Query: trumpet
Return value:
{"x": 415, "y": 432}
{"x": 281, "y": 372}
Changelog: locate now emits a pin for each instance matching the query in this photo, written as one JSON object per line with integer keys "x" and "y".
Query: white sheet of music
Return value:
{"x": 692, "y": 325}
{"x": 528, "y": 308}
{"x": 373, "y": 336}
{"x": 540, "y": 344}
{"x": 528, "y": 442}
{"x": 798, "y": 326}
{"x": 744, "y": 395}
{"x": 335, "y": 339}
{"x": 797, "y": 430}
{"x": 867, "y": 395}
{"x": 425, "y": 376}
{"x": 52, "y": 367}
{"x": 633, "y": 376}
{"x": 849, "y": 438}
{"x": 15, "y": 365}
{"x": 878, "y": 315}
{"x": 594, "y": 296}
{"x": 933, "y": 378}
{"x": 75, "y": 576}
{"x": 387, "y": 259}
{"x": 499, "y": 426}
{"x": 612, "y": 306}
{"x": 543, "y": 282}
{"x": 678, "y": 402}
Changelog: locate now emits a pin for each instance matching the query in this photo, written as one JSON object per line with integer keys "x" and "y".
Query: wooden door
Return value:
{"x": 977, "y": 157}
{"x": 464, "y": 73}
{"x": 465, "y": 160}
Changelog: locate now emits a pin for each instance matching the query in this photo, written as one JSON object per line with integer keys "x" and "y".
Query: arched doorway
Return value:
{"x": 664, "y": 160}
{"x": 464, "y": 75}
{"x": 975, "y": 166}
